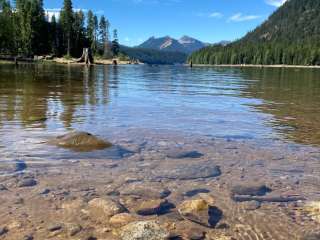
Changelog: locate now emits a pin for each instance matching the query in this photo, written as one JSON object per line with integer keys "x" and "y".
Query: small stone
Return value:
{"x": 251, "y": 205}
{"x": 313, "y": 210}
{"x": 3, "y": 230}
{"x": 187, "y": 230}
{"x": 54, "y": 227}
{"x": 152, "y": 191}
{"x": 29, "y": 182}
{"x": 250, "y": 189}
{"x": 107, "y": 207}
{"x": 312, "y": 236}
{"x": 179, "y": 154}
{"x": 28, "y": 237}
{"x": 201, "y": 212}
{"x": 122, "y": 219}
{"x": 143, "y": 230}
{"x": 190, "y": 172}
{"x": 45, "y": 191}
{"x": 196, "y": 192}
{"x": 152, "y": 207}
{"x": 3, "y": 188}
{"x": 74, "y": 229}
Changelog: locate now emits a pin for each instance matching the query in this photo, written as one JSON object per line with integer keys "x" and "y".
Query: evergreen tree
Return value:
{"x": 91, "y": 29}
{"x": 66, "y": 22}
{"x": 79, "y": 33}
{"x": 115, "y": 44}
{"x": 104, "y": 37}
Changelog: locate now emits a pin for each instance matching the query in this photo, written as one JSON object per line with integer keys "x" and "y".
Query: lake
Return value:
{"x": 255, "y": 123}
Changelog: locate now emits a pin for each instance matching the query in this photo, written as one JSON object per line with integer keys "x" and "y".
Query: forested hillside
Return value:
{"x": 290, "y": 36}
{"x": 151, "y": 56}
{"x": 25, "y": 30}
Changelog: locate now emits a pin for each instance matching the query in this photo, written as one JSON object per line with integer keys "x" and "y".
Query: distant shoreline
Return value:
{"x": 257, "y": 66}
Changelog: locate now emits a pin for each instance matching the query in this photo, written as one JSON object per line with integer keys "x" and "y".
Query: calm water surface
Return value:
{"x": 41, "y": 101}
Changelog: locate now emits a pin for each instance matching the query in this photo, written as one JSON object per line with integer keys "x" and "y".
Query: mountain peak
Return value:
{"x": 185, "y": 44}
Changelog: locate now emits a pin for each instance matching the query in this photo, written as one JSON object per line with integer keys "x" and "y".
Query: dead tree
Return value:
{"x": 86, "y": 57}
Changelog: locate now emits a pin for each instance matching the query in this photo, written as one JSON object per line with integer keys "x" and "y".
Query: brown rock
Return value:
{"x": 313, "y": 210}
{"x": 143, "y": 230}
{"x": 201, "y": 212}
{"x": 80, "y": 141}
{"x": 106, "y": 207}
{"x": 152, "y": 207}
{"x": 122, "y": 219}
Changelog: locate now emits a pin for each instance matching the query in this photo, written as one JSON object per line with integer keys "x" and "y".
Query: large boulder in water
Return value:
{"x": 81, "y": 141}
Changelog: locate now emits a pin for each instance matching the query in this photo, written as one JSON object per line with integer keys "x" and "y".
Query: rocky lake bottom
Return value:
{"x": 166, "y": 186}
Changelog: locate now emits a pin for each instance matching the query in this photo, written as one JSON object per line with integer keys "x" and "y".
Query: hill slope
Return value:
{"x": 185, "y": 44}
{"x": 291, "y": 36}
{"x": 151, "y": 56}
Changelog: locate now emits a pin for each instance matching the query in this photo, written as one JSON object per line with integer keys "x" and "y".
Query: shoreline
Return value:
{"x": 73, "y": 62}
{"x": 257, "y": 66}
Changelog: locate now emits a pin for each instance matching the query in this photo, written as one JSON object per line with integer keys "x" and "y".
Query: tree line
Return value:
{"x": 271, "y": 53}
{"x": 26, "y": 30}
{"x": 290, "y": 36}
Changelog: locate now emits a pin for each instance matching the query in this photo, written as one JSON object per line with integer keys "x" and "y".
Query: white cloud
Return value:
{"x": 239, "y": 17}
{"x": 276, "y": 3}
{"x": 216, "y": 15}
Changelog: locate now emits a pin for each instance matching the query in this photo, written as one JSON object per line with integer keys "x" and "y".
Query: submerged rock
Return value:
{"x": 28, "y": 182}
{"x": 3, "y": 188}
{"x": 122, "y": 219}
{"x": 190, "y": 172}
{"x": 311, "y": 236}
{"x": 3, "y": 230}
{"x": 313, "y": 210}
{"x": 152, "y": 207}
{"x": 74, "y": 229}
{"x": 105, "y": 207}
{"x": 143, "y": 230}
{"x": 81, "y": 141}
{"x": 250, "y": 189}
{"x": 12, "y": 167}
{"x": 178, "y": 154}
{"x": 200, "y": 211}
{"x": 150, "y": 191}
{"x": 195, "y": 192}
{"x": 55, "y": 227}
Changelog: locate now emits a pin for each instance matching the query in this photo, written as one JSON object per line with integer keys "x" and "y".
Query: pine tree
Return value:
{"x": 79, "y": 32}
{"x": 115, "y": 44}
{"x": 104, "y": 37}
{"x": 91, "y": 29}
{"x": 66, "y": 22}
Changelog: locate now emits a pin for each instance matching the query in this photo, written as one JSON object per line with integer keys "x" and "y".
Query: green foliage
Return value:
{"x": 290, "y": 36}
{"x": 25, "y": 31}
{"x": 151, "y": 56}
{"x": 115, "y": 48}
{"x": 66, "y": 23}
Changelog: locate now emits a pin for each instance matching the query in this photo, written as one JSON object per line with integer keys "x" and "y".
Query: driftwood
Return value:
{"x": 86, "y": 57}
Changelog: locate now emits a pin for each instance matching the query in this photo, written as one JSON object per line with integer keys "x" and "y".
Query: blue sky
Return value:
{"x": 207, "y": 20}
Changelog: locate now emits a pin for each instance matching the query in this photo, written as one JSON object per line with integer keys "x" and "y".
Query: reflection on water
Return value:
{"x": 292, "y": 96}
{"x": 37, "y": 101}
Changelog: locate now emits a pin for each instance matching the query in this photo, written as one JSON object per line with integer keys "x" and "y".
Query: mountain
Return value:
{"x": 152, "y": 56}
{"x": 185, "y": 44}
{"x": 291, "y": 35}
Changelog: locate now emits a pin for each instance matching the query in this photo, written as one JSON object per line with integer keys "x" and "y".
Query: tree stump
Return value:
{"x": 86, "y": 57}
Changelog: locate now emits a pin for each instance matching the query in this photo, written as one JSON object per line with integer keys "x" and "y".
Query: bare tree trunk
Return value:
{"x": 86, "y": 57}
